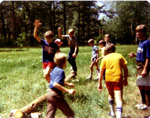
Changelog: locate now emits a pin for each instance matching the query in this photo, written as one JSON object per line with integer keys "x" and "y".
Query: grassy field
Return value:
{"x": 21, "y": 81}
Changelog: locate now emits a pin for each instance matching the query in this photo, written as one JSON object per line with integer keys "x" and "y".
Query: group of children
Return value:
{"x": 113, "y": 68}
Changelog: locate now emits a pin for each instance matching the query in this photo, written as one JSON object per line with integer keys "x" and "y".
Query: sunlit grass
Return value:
{"x": 22, "y": 81}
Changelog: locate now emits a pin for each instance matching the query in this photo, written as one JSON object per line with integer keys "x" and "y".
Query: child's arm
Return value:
{"x": 125, "y": 75}
{"x": 144, "y": 71}
{"x": 75, "y": 51}
{"x": 59, "y": 32}
{"x": 99, "y": 59}
{"x": 62, "y": 88}
{"x": 36, "y": 26}
{"x": 100, "y": 80}
{"x": 69, "y": 84}
{"x": 97, "y": 53}
{"x": 131, "y": 55}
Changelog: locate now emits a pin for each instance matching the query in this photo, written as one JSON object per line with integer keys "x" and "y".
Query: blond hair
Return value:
{"x": 70, "y": 31}
{"x": 59, "y": 59}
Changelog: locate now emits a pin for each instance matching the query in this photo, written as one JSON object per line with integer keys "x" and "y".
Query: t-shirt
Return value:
{"x": 73, "y": 41}
{"x": 94, "y": 51}
{"x": 49, "y": 50}
{"x": 103, "y": 51}
{"x": 57, "y": 76}
{"x": 143, "y": 50}
{"x": 112, "y": 63}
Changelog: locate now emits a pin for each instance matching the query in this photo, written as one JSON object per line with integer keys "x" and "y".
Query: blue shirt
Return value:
{"x": 143, "y": 50}
{"x": 57, "y": 76}
{"x": 49, "y": 50}
{"x": 94, "y": 51}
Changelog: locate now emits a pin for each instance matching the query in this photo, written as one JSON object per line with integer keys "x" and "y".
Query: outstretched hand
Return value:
{"x": 71, "y": 91}
{"x": 131, "y": 55}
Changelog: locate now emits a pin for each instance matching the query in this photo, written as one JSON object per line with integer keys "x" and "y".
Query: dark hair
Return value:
{"x": 110, "y": 48}
{"x": 102, "y": 42}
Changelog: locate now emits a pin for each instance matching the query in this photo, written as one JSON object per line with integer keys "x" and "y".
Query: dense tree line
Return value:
{"x": 16, "y": 20}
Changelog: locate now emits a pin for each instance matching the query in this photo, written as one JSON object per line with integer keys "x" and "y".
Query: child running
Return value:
{"x": 73, "y": 43}
{"x": 49, "y": 49}
{"x": 113, "y": 63}
{"x": 143, "y": 66}
{"x": 95, "y": 55}
{"x": 55, "y": 96}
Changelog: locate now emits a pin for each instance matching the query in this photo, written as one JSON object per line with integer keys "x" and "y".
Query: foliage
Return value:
{"x": 128, "y": 16}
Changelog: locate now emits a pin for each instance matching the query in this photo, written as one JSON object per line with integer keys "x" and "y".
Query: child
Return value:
{"x": 49, "y": 49}
{"x": 113, "y": 63}
{"x": 143, "y": 65}
{"x": 72, "y": 41}
{"x": 95, "y": 55}
{"x": 107, "y": 38}
{"x": 102, "y": 44}
{"x": 55, "y": 96}
{"x": 58, "y": 42}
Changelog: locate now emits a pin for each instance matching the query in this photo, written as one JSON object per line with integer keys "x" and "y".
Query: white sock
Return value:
{"x": 111, "y": 104}
{"x": 118, "y": 112}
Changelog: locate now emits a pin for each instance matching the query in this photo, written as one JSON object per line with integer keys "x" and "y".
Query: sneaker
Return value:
{"x": 112, "y": 115}
{"x": 89, "y": 78}
{"x": 141, "y": 106}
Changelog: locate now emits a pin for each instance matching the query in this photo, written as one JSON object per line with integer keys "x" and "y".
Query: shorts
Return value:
{"x": 48, "y": 64}
{"x": 114, "y": 85}
{"x": 94, "y": 59}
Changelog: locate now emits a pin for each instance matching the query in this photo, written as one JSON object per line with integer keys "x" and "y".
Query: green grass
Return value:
{"x": 22, "y": 81}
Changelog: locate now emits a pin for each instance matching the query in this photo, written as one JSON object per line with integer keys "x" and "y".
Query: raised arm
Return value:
{"x": 59, "y": 32}
{"x": 62, "y": 88}
{"x": 36, "y": 26}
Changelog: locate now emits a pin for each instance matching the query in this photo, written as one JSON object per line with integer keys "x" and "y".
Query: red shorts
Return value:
{"x": 144, "y": 88}
{"x": 46, "y": 64}
{"x": 114, "y": 85}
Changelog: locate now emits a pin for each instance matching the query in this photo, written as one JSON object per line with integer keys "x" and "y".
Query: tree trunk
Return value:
{"x": 64, "y": 4}
{"x": 54, "y": 17}
{"x": 14, "y": 21}
{"x": 3, "y": 23}
{"x": 29, "y": 108}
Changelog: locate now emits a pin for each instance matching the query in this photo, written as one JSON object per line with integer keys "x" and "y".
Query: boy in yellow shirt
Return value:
{"x": 113, "y": 64}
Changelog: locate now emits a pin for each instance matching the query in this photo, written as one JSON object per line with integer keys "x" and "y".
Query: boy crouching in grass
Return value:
{"x": 113, "y": 63}
{"x": 55, "y": 97}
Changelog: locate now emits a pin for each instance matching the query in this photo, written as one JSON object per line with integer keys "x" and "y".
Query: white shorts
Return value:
{"x": 143, "y": 81}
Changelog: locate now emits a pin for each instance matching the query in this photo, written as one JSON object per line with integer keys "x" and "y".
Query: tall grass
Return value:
{"x": 22, "y": 81}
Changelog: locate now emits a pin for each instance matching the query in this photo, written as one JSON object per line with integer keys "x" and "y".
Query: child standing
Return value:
{"x": 102, "y": 44}
{"x": 143, "y": 65}
{"x": 55, "y": 96}
{"x": 113, "y": 63}
{"x": 95, "y": 55}
{"x": 49, "y": 49}
{"x": 73, "y": 43}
